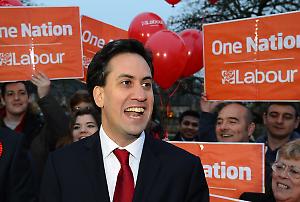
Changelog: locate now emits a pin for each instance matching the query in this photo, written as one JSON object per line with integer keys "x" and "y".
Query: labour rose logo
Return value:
{"x": 1, "y": 149}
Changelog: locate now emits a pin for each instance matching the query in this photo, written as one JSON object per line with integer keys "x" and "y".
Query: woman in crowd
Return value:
{"x": 285, "y": 176}
{"x": 80, "y": 100}
{"x": 84, "y": 122}
{"x": 286, "y": 173}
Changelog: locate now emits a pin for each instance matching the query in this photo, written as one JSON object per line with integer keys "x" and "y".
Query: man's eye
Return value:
{"x": 273, "y": 115}
{"x": 10, "y": 93}
{"x": 22, "y": 93}
{"x": 126, "y": 83}
{"x": 147, "y": 85}
{"x": 288, "y": 117}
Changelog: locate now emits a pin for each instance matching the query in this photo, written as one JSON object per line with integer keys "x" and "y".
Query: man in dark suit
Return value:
{"x": 120, "y": 79}
{"x": 16, "y": 179}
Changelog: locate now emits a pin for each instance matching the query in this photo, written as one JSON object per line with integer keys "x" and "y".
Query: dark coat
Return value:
{"x": 41, "y": 134}
{"x": 16, "y": 179}
{"x": 166, "y": 174}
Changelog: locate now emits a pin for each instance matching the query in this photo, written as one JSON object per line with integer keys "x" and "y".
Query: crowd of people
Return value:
{"x": 234, "y": 122}
{"x": 75, "y": 155}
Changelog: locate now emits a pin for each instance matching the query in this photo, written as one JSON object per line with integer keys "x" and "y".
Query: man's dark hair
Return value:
{"x": 3, "y": 86}
{"x": 249, "y": 115}
{"x": 97, "y": 71}
{"x": 189, "y": 113}
{"x": 295, "y": 105}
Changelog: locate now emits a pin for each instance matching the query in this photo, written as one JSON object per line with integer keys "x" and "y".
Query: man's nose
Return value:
{"x": 223, "y": 126}
{"x": 139, "y": 93}
{"x": 279, "y": 119}
{"x": 16, "y": 96}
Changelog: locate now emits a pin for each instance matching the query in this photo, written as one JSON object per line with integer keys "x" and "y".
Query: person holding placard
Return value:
{"x": 41, "y": 134}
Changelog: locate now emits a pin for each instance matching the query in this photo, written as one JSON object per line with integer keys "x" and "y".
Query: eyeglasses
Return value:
{"x": 292, "y": 171}
{"x": 187, "y": 123}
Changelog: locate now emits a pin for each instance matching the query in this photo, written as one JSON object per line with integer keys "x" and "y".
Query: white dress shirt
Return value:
{"x": 112, "y": 164}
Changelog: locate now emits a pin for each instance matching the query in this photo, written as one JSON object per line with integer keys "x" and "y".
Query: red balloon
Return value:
{"x": 10, "y": 3}
{"x": 172, "y": 2}
{"x": 169, "y": 57}
{"x": 144, "y": 25}
{"x": 213, "y": 1}
{"x": 194, "y": 42}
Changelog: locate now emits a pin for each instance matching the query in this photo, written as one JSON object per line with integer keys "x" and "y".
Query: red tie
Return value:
{"x": 125, "y": 186}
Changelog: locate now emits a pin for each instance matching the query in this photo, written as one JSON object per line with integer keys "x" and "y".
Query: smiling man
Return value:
{"x": 280, "y": 120}
{"x": 188, "y": 126}
{"x": 120, "y": 162}
{"x": 234, "y": 123}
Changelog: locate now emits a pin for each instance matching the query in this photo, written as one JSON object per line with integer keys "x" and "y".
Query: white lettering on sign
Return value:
{"x": 221, "y": 171}
{"x": 45, "y": 30}
{"x": 12, "y": 59}
{"x": 253, "y": 44}
{"x": 258, "y": 77}
{"x": 87, "y": 37}
{"x": 218, "y": 47}
{"x": 274, "y": 42}
{"x": 8, "y": 32}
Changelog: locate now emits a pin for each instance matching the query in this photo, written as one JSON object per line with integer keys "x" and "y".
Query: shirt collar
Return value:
{"x": 108, "y": 145}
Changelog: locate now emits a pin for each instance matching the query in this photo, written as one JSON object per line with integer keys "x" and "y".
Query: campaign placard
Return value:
{"x": 230, "y": 168}
{"x": 47, "y": 39}
{"x": 95, "y": 34}
{"x": 253, "y": 59}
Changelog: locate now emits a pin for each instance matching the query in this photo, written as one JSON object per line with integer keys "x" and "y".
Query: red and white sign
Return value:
{"x": 40, "y": 38}
{"x": 230, "y": 168}
{"x": 95, "y": 34}
{"x": 253, "y": 59}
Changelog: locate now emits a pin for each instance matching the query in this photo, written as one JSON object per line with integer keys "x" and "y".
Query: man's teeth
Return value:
{"x": 282, "y": 186}
{"x": 135, "y": 109}
{"x": 226, "y": 135}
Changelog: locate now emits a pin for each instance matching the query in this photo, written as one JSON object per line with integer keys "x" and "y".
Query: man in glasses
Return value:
{"x": 188, "y": 126}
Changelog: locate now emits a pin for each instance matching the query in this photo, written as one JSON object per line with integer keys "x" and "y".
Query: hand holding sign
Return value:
{"x": 42, "y": 82}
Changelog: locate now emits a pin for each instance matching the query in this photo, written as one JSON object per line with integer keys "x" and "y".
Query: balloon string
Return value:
{"x": 160, "y": 99}
{"x": 171, "y": 94}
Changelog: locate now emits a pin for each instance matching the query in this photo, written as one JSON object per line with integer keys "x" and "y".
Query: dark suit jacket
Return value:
{"x": 16, "y": 180}
{"x": 166, "y": 173}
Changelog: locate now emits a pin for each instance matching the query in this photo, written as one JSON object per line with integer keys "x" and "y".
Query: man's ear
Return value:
{"x": 265, "y": 117}
{"x": 297, "y": 122}
{"x": 2, "y": 102}
{"x": 98, "y": 95}
{"x": 251, "y": 129}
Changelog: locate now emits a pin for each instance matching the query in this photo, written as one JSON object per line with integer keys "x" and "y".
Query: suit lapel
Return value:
{"x": 95, "y": 167}
{"x": 148, "y": 169}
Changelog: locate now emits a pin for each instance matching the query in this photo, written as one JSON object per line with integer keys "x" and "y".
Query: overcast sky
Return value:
{"x": 117, "y": 12}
